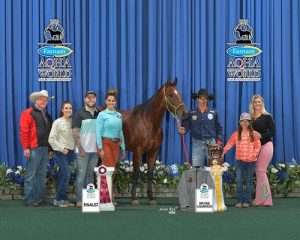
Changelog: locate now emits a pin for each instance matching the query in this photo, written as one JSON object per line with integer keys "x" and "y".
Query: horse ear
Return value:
{"x": 168, "y": 82}
{"x": 175, "y": 82}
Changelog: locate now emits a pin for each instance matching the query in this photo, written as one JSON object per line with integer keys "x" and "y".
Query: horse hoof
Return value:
{"x": 152, "y": 202}
{"x": 135, "y": 202}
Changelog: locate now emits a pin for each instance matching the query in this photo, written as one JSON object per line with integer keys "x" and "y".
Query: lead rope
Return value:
{"x": 178, "y": 125}
{"x": 183, "y": 144}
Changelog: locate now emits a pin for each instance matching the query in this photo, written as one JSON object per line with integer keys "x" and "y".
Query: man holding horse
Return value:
{"x": 205, "y": 127}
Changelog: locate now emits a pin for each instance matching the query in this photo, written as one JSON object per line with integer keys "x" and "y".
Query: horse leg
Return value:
{"x": 151, "y": 162}
{"x": 135, "y": 177}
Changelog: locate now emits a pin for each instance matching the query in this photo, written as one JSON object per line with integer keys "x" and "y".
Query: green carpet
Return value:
{"x": 143, "y": 222}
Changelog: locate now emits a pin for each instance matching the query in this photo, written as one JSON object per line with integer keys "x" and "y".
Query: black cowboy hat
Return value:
{"x": 202, "y": 93}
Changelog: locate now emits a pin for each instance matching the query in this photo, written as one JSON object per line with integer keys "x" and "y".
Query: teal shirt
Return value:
{"x": 109, "y": 125}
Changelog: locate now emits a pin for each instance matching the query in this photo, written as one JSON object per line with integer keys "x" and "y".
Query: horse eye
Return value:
{"x": 170, "y": 95}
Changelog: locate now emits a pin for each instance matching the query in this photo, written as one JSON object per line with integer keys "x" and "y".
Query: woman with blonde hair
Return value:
{"x": 263, "y": 124}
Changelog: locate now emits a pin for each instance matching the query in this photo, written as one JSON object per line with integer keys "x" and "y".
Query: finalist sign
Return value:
{"x": 90, "y": 199}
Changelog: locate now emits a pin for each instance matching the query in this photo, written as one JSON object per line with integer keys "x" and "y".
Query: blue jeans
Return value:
{"x": 35, "y": 177}
{"x": 84, "y": 172}
{"x": 199, "y": 151}
{"x": 64, "y": 173}
{"x": 244, "y": 169}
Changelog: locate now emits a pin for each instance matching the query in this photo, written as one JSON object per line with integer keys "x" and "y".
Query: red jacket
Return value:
{"x": 34, "y": 130}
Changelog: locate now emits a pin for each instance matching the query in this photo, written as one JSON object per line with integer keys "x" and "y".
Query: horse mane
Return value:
{"x": 146, "y": 107}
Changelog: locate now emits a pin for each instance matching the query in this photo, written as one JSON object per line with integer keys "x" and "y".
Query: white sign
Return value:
{"x": 203, "y": 199}
{"x": 90, "y": 199}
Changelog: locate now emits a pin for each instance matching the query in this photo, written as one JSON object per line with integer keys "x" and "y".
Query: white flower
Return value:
{"x": 165, "y": 180}
{"x": 292, "y": 166}
{"x": 274, "y": 170}
{"x": 131, "y": 169}
{"x": 126, "y": 162}
{"x": 145, "y": 171}
{"x": 17, "y": 172}
{"x": 145, "y": 166}
{"x": 281, "y": 165}
{"x": 225, "y": 168}
{"x": 131, "y": 163}
{"x": 19, "y": 168}
{"x": 142, "y": 169}
{"x": 127, "y": 169}
{"x": 226, "y": 164}
{"x": 8, "y": 171}
{"x": 157, "y": 162}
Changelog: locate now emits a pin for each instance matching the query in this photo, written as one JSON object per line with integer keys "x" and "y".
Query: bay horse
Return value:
{"x": 142, "y": 127}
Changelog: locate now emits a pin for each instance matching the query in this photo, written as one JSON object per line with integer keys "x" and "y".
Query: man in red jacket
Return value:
{"x": 35, "y": 126}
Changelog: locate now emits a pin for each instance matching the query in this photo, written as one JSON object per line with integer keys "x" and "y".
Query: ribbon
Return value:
{"x": 216, "y": 171}
{"x": 104, "y": 191}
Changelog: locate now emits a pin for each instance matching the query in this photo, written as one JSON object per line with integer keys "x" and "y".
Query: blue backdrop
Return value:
{"x": 137, "y": 45}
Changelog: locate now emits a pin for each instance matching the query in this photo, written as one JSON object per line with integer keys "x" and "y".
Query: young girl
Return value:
{"x": 247, "y": 149}
{"x": 62, "y": 141}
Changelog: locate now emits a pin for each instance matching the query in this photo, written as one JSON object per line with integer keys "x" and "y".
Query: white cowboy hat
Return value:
{"x": 43, "y": 93}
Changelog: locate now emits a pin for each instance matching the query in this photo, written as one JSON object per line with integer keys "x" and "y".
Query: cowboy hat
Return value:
{"x": 202, "y": 93}
{"x": 43, "y": 93}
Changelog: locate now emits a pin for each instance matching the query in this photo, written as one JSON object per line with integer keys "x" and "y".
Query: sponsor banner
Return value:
{"x": 243, "y": 63}
{"x": 54, "y": 64}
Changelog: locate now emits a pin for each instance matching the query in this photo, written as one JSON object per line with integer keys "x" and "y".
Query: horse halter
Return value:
{"x": 168, "y": 103}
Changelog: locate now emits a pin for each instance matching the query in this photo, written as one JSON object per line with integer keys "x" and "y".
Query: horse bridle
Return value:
{"x": 168, "y": 102}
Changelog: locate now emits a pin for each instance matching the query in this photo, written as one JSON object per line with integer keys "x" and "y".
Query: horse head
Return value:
{"x": 173, "y": 100}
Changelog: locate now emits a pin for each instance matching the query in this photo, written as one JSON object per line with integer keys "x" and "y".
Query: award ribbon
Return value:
{"x": 216, "y": 172}
{"x": 104, "y": 191}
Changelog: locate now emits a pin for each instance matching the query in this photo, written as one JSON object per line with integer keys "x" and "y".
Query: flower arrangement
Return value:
{"x": 283, "y": 177}
{"x": 11, "y": 177}
{"x": 166, "y": 175}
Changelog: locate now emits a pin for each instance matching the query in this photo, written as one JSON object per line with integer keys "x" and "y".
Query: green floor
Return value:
{"x": 150, "y": 222}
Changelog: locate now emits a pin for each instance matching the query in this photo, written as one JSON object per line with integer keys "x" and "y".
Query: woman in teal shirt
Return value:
{"x": 109, "y": 132}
